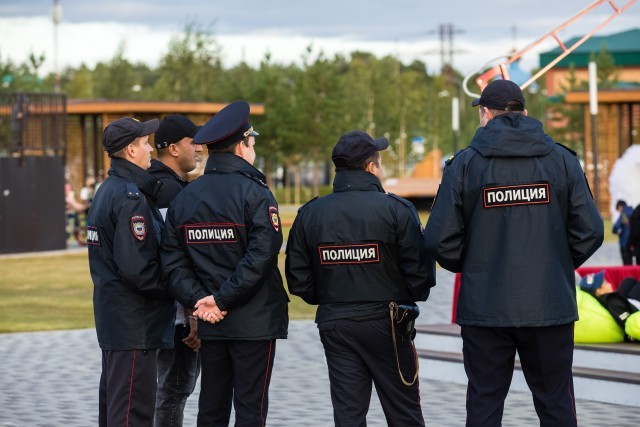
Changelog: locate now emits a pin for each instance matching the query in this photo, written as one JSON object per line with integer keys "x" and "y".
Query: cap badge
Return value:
{"x": 248, "y": 132}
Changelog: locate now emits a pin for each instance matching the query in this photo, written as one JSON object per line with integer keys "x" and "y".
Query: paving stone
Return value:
{"x": 50, "y": 379}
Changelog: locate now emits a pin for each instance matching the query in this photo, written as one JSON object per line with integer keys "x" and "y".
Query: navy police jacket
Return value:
{"x": 131, "y": 306}
{"x": 357, "y": 249}
{"x": 515, "y": 215}
{"x": 222, "y": 237}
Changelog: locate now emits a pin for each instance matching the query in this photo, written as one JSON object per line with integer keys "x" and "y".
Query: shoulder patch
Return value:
{"x": 274, "y": 217}
{"x": 139, "y": 227}
{"x": 450, "y": 159}
{"x": 133, "y": 192}
{"x": 401, "y": 200}
{"x": 567, "y": 148}
{"x": 300, "y": 208}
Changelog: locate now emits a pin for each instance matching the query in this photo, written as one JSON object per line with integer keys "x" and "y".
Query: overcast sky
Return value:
{"x": 91, "y": 31}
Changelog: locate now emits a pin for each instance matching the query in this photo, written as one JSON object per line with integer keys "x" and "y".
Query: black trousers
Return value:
{"x": 546, "y": 356}
{"x": 359, "y": 352}
{"x": 238, "y": 371}
{"x": 627, "y": 255}
{"x": 127, "y": 395}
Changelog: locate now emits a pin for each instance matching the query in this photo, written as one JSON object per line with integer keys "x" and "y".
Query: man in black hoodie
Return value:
{"x": 178, "y": 367}
{"x": 514, "y": 214}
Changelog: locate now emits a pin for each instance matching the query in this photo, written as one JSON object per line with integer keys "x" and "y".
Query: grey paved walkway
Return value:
{"x": 51, "y": 379}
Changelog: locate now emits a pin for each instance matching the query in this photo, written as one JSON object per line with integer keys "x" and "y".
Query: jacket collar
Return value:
{"x": 134, "y": 173}
{"x": 231, "y": 163}
{"x": 159, "y": 169}
{"x": 512, "y": 135}
{"x": 356, "y": 180}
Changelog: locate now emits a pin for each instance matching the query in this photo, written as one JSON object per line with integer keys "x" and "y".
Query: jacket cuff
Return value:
{"x": 220, "y": 302}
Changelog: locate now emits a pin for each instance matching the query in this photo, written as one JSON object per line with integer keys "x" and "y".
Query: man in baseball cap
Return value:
{"x": 134, "y": 314}
{"x": 501, "y": 95}
{"x": 122, "y": 132}
{"x": 357, "y": 253}
{"x": 178, "y": 367}
{"x": 514, "y": 184}
{"x": 355, "y": 147}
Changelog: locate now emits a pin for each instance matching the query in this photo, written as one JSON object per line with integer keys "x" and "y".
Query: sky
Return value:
{"x": 91, "y": 31}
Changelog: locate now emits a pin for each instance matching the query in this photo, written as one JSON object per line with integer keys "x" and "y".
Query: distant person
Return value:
{"x": 87, "y": 192}
{"x": 134, "y": 314}
{"x": 358, "y": 254}
{"x": 618, "y": 303}
{"x": 514, "y": 214}
{"x": 72, "y": 208}
{"x": 622, "y": 227}
{"x": 220, "y": 251}
{"x": 178, "y": 367}
{"x": 633, "y": 241}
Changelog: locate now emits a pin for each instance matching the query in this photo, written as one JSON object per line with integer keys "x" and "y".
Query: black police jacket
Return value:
{"x": 131, "y": 306}
{"x": 222, "y": 237}
{"x": 172, "y": 183}
{"x": 515, "y": 215}
{"x": 357, "y": 249}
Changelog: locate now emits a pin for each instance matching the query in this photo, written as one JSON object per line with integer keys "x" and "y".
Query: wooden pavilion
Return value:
{"x": 618, "y": 127}
{"x": 86, "y": 120}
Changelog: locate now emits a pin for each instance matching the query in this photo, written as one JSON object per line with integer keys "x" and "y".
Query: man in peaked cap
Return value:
{"x": 514, "y": 215}
{"x": 178, "y": 367}
{"x": 358, "y": 254}
{"x": 220, "y": 250}
{"x": 133, "y": 311}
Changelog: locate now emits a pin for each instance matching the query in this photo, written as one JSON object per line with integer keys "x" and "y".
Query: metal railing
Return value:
{"x": 33, "y": 124}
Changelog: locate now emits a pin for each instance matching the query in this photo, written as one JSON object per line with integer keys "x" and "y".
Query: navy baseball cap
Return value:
{"x": 231, "y": 124}
{"x": 122, "y": 132}
{"x": 498, "y": 94}
{"x": 355, "y": 147}
{"x": 591, "y": 282}
{"x": 172, "y": 129}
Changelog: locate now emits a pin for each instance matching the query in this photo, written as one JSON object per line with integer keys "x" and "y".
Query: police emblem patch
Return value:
{"x": 139, "y": 227}
{"x": 275, "y": 218}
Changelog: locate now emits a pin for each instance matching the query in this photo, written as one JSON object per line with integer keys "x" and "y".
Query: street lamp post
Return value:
{"x": 57, "y": 17}
{"x": 593, "y": 108}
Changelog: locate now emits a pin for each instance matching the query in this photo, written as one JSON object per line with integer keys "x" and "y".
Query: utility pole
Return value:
{"x": 57, "y": 17}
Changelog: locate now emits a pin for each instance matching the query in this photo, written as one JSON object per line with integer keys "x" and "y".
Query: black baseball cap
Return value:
{"x": 172, "y": 129}
{"x": 498, "y": 94}
{"x": 354, "y": 147}
{"x": 122, "y": 132}
{"x": 231, "y": 124}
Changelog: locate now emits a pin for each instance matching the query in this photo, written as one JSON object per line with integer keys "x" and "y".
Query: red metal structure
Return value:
{"x": 502, "y": 69}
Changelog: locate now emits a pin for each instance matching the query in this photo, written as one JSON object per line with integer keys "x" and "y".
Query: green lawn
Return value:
{"x": 55, "y": 292}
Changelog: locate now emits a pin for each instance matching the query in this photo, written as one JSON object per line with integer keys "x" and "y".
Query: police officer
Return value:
{"x": 220, "y": 250}
{"x": 358, "y": 254}
{"x": 515, "y": 215}
{"x": 133, "y": 312}
{"x": 178, "y": 367}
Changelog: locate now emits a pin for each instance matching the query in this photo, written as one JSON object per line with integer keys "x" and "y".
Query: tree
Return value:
{"x": 191, "y": 69}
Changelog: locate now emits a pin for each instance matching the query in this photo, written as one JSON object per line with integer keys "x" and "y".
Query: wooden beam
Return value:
{"x": 605, "y": 97}
{"x": 76, "y": 106}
